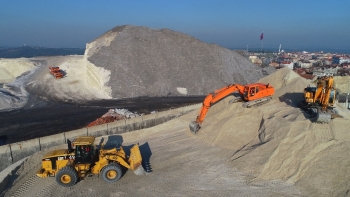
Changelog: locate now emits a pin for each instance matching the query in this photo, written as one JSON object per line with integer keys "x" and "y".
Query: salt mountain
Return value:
{"x": 152, "y": 62}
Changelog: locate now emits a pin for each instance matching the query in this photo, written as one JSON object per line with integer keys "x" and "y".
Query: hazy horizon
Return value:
{"x": 231, "y": 24}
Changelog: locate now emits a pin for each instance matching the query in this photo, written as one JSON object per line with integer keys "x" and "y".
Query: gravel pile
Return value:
{"x": 162, "y": 62}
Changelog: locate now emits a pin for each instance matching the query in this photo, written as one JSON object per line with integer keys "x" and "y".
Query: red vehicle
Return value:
{"x": 56, "y": 72}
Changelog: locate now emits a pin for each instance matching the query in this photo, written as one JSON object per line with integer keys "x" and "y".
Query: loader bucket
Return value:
{"x": 135, "y": 160}
{"x": 194, "y": 127}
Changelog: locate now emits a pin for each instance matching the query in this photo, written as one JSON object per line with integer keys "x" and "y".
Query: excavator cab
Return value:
{"x": 251, "y": 92}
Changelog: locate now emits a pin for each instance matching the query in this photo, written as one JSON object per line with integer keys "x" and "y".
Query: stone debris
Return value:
{"x": 126, "y": 113}
{"x": 113, "y": 115}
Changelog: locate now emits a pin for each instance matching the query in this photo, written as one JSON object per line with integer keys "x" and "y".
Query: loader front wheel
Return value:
{"x": 111, "y": 173}
{"x": 67, "y": 176}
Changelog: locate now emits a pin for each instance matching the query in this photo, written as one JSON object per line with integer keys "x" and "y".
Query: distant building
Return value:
{"x": 252, "y": 58}
{"x": 255, "y": 60}
{"x": 274, "y": 64}
{"x": 304, "y": 73}
{"x": 335, "y": 60}
{"x": 344, "y": 60}
{"x": 320, "y": 72}
{"x": 345, "y": 65}
{"x": 304, "y": 64}
{"x": 290, "y": 64}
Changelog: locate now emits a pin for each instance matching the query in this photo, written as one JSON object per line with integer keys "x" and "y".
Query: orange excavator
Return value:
{"x": 252, "y": 94}
{"x": 56, "y": 72}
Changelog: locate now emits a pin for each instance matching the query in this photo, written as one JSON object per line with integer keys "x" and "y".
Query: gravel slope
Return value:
{"x": 158, "y": 62}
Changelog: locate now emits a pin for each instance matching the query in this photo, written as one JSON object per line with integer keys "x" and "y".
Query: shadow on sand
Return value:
{"x": 293, "y": 99}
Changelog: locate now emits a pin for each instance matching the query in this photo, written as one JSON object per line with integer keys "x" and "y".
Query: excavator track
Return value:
{"x": 256, "y": 103}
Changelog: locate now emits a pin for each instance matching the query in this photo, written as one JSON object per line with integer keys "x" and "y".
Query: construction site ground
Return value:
{"x": 274, "y": 149}
{"x": 180, "y": 164}
{"x": 271, "y": 150}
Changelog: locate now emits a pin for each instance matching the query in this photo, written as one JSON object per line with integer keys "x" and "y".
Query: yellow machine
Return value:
{"x": 69, "y": 165}
{"x": 320, "y": 99}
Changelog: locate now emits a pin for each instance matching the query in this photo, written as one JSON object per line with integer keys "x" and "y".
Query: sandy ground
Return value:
{"x": 181, "y": 165}
{"x": 342, "y": 83}
{"x": 271, "y": 150}
{"x": 12, "y": 68}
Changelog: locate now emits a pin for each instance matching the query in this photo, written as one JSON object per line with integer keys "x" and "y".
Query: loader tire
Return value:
{"x": 67, "y": 176}
{"x": 111, "y": 173}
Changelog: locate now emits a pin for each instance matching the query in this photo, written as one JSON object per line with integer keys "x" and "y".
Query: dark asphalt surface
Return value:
{"x": 52, "y": 118}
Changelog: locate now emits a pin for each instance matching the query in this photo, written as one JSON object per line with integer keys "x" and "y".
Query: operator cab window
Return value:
{"x": 252, "y": 91}
{"x": 78, "y": 154}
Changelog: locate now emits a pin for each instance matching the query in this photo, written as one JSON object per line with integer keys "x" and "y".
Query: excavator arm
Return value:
{"x": 211, "y": 99}
{"x": 328, "y": 89}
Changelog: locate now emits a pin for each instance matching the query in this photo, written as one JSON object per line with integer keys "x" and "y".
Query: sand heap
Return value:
{"x": 278, "y": 141}
{"x": 82, "y": 80}
{"x": 13, "y": 74}
{"x": 27, "y": 79}
{"x": 12, "y": 68}
{"x": 342, "y": 83}
{"x": 151, "y": 62}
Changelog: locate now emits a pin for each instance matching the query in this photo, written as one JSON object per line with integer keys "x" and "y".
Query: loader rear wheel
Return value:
{"x": 67, "y": 176}
{"x": 111, "y": 173}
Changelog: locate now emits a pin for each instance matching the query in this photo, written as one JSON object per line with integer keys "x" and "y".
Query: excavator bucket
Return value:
{"x": 194, "y": 127}
{"x": 135, "y": 160}
{"x": 323, "y": 116}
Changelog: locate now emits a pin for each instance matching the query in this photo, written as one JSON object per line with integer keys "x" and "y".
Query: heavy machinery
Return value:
{"x": 253, "y": 95}
{"x": 69, "y": 165}
{"x": 56, "y": 72}
{"x": 319, "y": 100}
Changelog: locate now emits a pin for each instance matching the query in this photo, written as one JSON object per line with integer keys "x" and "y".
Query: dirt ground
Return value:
{"x": 180, "y": 164}
{"x": 271, "y": 150}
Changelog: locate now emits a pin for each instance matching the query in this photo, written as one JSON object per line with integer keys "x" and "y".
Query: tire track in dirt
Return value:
{"x": 323, "y": 132}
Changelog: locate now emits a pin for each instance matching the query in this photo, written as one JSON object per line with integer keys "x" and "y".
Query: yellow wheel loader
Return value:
{"x": 82, "y": 159}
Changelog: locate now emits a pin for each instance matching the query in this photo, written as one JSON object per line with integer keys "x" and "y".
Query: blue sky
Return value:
{"x": 229, "y": 23}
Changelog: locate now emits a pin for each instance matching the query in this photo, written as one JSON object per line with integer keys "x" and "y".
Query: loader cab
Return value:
{"x": 83, "y": 153}
{"x": 84, "y": 149}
